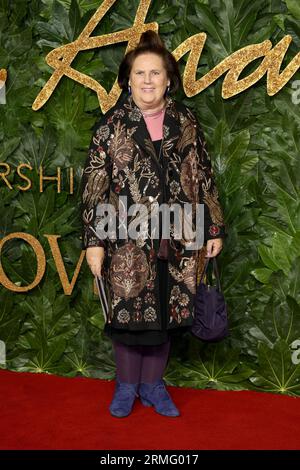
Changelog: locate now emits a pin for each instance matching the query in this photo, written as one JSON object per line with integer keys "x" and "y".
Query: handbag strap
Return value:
{"x": 215, "y": 269}
{"x": 204, "y": 270}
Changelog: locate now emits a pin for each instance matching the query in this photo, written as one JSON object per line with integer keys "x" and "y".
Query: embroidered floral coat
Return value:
{"x": 122, "y": 161}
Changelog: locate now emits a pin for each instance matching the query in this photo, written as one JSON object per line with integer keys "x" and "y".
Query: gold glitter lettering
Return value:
{"x": 41, "y": 262}
{"x": 61, "y": 58}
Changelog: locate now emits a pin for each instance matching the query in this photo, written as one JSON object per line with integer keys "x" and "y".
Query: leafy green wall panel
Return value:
{"x": 254, "y": 143}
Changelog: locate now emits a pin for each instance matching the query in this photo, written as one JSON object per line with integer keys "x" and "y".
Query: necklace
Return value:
{"x": 157, "y": 113}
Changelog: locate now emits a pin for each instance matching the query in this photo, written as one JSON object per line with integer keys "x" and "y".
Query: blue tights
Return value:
{"x": 136, "y": 364}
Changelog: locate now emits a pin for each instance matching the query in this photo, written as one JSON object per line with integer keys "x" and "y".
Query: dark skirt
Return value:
{"x": 149, "y": 337}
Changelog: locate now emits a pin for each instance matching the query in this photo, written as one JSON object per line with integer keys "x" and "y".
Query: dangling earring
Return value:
{"x": 168, "y": 88}
{"x": 129, "y": 89}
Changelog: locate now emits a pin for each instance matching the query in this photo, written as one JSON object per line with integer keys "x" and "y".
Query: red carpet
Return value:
{"x": 40, "y": 411}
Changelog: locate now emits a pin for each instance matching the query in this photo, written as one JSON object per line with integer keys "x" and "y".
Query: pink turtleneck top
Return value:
{"x": 155, "y": 125}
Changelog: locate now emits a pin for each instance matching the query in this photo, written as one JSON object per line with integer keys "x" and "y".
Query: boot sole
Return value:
{"x": 148, "y": 403}
{"x": 119, "y": 416}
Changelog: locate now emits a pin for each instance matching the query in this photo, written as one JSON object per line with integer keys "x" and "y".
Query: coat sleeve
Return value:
{"x": 95, "y": 187}
{"x": 214, "y": 226}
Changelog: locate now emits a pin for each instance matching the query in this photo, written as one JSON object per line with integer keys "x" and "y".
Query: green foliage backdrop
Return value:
{"x": 254, "y": 144}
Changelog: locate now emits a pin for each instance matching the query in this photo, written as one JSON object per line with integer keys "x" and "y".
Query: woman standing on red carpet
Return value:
{"x": 149, "y": 149}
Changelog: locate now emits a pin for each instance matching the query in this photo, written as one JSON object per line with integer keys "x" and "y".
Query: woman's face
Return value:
{"x": 148, "y": 80}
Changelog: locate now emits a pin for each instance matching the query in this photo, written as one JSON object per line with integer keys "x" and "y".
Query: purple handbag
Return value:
{"x": 210, "y": 312}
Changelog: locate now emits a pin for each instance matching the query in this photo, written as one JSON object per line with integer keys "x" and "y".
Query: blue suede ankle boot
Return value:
{"x": 123, "y": 399}
{"x": 156, "y": 394}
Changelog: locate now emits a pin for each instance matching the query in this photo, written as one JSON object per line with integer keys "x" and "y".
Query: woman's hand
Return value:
{"x": 94, "y": 257}
{"x": 213, "y": 247}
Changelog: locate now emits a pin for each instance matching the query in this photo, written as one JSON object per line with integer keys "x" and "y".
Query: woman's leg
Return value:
{"x": 152, "y": 389}
{"x": 155, "y": 358}
{"x": 154, "y": 361}
{"x": 128, "y": 362}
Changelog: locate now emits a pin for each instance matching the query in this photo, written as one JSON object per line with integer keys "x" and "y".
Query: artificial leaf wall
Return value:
{"x": 253, "y": 140}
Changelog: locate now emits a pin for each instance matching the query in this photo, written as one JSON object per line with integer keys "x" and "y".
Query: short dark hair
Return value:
{"x": 150, "y": 42}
